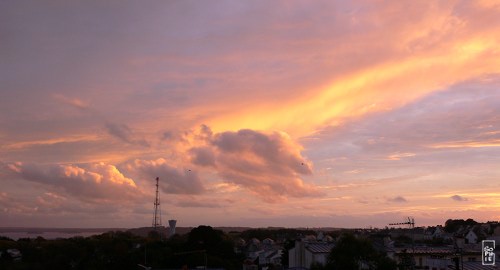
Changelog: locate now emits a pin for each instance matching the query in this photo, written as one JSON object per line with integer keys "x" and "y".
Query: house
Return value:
{"x": 261, "y": 254}
{"x": 306, "y": 253}
{"x": 253, "y": 249}
{"x": 437, "y": 258}
{"x": 459, "y": 241}
{"x": 250, "y": 265}
{"x": 383, "y": 244}
{"x": 438, "y": 232}
{"x": 487, "y": 228}
{"x": 268, "y": 242}
{"x": 239, "y": 245}
{"x": 496, "y": 231}
{"x": 270, "y": 257}
{"x": 471, "y": 237}
{"x": 474, "y": 266}
{"x": 494, "y": 238}
{"x": 15, "y": 254}
{"x": 433, "y": 233}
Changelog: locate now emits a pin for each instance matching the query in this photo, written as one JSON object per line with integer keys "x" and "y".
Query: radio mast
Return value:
{"x": 157, "y": 210}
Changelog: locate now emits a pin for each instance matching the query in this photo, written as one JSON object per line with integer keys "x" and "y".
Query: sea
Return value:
{"x": 52, "y": 233}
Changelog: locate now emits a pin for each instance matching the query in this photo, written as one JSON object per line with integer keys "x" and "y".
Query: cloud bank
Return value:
{"x": 96, "y": 182}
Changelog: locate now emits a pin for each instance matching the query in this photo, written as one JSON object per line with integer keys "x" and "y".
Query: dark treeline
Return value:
{"x": 124, "y": 250}
{"x": 452, "y": 225}
{"x": 206, "y": 246}
{"x": 275, "y": 233}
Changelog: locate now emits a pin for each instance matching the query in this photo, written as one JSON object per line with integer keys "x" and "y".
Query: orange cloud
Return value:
{"x": 398, "y": 156}
{"x": 437, "y": 50}
{"x": 381, "y": 87}
{"x": 468, "y": 144}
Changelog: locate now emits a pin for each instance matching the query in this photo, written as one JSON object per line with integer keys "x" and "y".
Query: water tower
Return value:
{"x": 171, "y": 224}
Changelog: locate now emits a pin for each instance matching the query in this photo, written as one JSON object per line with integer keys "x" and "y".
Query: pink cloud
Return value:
{"x": 95, "y": 182}
{"x": 267, "y": 164}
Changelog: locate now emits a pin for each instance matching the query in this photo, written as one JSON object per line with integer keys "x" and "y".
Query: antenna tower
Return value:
{"x": 408, "y": 261}
{"x": 157, "y": 210}
{"x": 410, "y": 223}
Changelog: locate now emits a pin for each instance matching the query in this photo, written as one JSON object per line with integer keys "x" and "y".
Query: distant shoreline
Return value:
{"x": 222, "y": 228}
{"x": 56, "y": 230}
{"x": 17, "y": 233}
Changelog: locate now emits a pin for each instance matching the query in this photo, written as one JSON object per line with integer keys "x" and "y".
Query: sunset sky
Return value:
{"x": 251, "y": 113}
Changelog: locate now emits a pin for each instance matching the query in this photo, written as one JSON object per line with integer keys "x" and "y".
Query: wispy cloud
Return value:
{"x": 468, "y": 144}
{"x": 51, "y": 141}
{"x": 75, "y": 102}
{"x": 398, "y": 156}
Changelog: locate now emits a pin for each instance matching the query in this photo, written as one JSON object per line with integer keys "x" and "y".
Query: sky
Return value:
{"x": 251, "y": 113}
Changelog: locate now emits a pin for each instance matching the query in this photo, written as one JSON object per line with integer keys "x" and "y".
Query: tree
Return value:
{"x": 218, "y": 247}
{"x": 350, "y": 252}
{"x": 452, "y": 225}
{"x": 204, "y": 237}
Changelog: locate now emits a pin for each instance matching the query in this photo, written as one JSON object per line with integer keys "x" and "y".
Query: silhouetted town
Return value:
{"x": 455, "y": 245}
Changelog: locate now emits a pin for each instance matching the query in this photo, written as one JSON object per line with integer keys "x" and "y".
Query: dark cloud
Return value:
{"x": 167, "y": 135}
{"x": 172, "y": 180}
{"x": 204, "y": 132}
{"x": 197, "y": 204}
{"x": 458, "y": 198}
{"x": 398, "y": 199}
{"x": 124, "y": 133}
{"x": 202, "y": 156}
